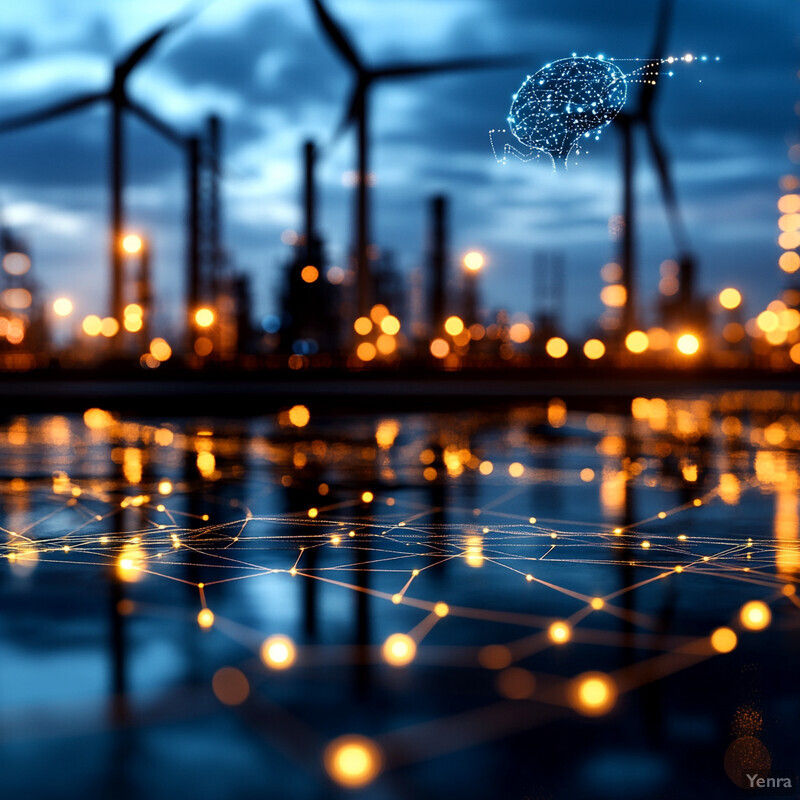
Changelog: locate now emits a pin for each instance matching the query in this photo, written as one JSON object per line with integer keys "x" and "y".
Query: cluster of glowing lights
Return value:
{"x": 354, "y": 761}
{"x": 386, "y": 327}
{"x": 95, "y": 326}
{"x": 133, "y": 318}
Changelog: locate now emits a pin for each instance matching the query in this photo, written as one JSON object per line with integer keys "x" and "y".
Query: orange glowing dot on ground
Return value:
{"x": 593, "y": 693}
{"x": 723, "y": 640}
{"x": 309, "y": 274}
{"x": 205, "y": 619}
{"x": 556, "y": 347}
{"x": 353, "y": 761}
{"x": 559, "y": 632}
{"x": 278, "y": 652}
{"x": 399, "y": 649}
{"x": 230, "y": 686}
{"x": 755, "y": 615}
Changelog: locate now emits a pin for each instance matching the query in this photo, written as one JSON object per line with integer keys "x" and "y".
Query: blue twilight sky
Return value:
{"x": 265, "y": 68}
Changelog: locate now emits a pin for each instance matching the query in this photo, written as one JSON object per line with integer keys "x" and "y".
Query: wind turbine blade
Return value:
{"x": 648, "y": 92}
{"x": 453, "y": 65}
{"x": 354, "y": 109}
{"x": 668, "y": 193}
{"x": 51, "y": 112}
{"x": 152, "y": 121}
{"x": 337, "y": 35}
{"x": 126, "y": 65}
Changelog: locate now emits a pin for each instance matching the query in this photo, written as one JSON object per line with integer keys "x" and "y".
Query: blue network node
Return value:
{"x": 568, "y": 101}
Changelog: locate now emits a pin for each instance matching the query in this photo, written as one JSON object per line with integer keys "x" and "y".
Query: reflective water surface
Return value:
{"x": 538, "y": 602}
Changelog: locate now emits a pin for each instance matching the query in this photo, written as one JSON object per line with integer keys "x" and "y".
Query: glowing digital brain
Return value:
{"x": 565, "y": 100}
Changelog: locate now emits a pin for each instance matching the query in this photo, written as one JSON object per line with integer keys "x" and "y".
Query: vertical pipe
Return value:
{"x": 146, "y": 292}
{"x": 438, "y": 262}
{"x": 629, "y": 233}
{"x": 309, "y": 202}
{"x": 362, "y": 214}
{"x": 215, "y": 206}
{"x": 117, "y": 220}
{"x": 193, "y": 233}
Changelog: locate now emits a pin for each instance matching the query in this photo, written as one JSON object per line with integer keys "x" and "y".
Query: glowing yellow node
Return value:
{"x": 529, "y": 577}
{"x": 789, "y": 590}
{"x": 336, "y": 540}
{"x": 353, "y": 761}
{"x": 312, "y": 513}
{"x": 723, "y": 640}
{"x": 441, "y": 609}
{"x": 662, "y": 514}
{"x": 516, "y": 470}
{"x": 593, "y": 693}
{"x": 399, "y": 649}
{"x": 597, "y": 603}
{"x": 532, "y": 520}
{"x": 278, "y": 652}
{"x": 164, "y": 487}
{"x": 397, "y": 599}
{"x": 755, "y": 615}
{"x": 559, "y": 632}
{"x": 367, "y": 497}
{"x": 205, "y": 619}
{"x": 486, "y": 468}
{"x": 645, "y": 545}
{"x": 679, "y": 568}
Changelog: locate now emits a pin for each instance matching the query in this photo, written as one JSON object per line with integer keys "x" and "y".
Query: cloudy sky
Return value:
{"x": 264, "y": 67}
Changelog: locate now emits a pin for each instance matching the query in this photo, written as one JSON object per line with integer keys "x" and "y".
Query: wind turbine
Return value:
{"x": 117, "y": 96}
{"x": 627, "y": 122}
{"x": 358, "y": 114}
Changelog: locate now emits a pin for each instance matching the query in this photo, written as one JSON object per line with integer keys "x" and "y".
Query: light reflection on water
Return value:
{"x": 474, "y": 503}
